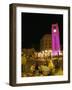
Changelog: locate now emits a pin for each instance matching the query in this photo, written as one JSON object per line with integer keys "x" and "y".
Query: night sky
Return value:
{"x": 34, "y": 26}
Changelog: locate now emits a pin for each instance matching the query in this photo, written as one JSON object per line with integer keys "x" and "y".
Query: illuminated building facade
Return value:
{"x": 46, "y": 42}
{"x": 55, "y": 39}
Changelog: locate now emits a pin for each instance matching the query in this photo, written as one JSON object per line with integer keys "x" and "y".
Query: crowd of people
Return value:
{"x": 33, "y": 67}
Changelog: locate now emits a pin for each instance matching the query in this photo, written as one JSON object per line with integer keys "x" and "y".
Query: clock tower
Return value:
{"x": 55, "y": 39}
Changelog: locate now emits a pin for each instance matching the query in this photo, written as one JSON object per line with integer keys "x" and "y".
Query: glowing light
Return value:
{"x": 50, "y": 51}
{"x": 45, "y": 50}
{"x": 54, "y": 30}
{"x": 39, "y": 54}
{"x": 42, "y": 55}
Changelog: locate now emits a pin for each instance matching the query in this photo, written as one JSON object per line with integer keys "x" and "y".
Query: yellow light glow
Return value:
{"x": 43, "y": 52}
{"x": 46, "y": 51}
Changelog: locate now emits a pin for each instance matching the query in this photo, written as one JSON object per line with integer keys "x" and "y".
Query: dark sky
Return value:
{"x": 34, "y": 26}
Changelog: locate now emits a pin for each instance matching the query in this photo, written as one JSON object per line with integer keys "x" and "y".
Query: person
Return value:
{"x": 44, "y": 70}
{"x": 32, "y": 68}
{"x": 24, "y": 61}
{"x": 51, "y": 67}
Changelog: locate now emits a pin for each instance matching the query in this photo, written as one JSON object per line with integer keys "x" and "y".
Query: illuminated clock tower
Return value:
{"x": 55, "y": 39}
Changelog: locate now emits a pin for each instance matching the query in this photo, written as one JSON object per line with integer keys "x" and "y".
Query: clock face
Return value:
{"x": 54, "y": 30}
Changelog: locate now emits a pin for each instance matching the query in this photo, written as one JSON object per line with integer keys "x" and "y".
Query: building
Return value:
{"x": 55, "y": 39}
{"x": 46, "y": 42}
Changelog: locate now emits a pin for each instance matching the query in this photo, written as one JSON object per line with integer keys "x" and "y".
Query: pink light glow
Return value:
{"x": 55, "y": 39}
